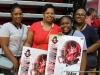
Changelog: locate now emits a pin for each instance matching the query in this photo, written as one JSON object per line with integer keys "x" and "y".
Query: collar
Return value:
{"x": 42, "y": 24}
{"x": 16, "y": 25}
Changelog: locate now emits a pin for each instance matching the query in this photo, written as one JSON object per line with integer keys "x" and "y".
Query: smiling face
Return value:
{"x": 17, "y": 15}
{"x": 49, "y": 15}
{"x": 80, "y": 16}
{"x": 66, "y": 25}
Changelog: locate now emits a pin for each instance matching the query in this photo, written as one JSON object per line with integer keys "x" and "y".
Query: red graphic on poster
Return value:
{"x": 27, "y": 54}
{"x": 39, "y": 65}
{"x": 55, "y": 40}
{"x": 69, "y": 53}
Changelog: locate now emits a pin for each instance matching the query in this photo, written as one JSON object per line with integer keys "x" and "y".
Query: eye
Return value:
{"x": 20, "y": 14}
{"x": 62, "y": 24}
{"x": 52, "y": 13}
{"x": 47, "y": 13}
{"x": 67, "y": 23}
{"x": 15, "y": 14}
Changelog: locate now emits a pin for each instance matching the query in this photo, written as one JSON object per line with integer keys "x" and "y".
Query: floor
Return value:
{"x": 88, "y": 74}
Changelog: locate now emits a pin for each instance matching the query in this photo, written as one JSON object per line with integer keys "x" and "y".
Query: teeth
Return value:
{"x": 49, "y": 18}
{"x": 65, "y": 29}
{"x": 79, "y": 19}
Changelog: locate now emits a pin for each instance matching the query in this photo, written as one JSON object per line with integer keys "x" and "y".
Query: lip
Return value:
{"x": 65, "y": 29}
{"x": 49, "y": 18}
{"x": 18, "y": 19}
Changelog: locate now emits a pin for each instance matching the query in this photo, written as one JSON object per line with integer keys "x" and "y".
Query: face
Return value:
{"x": 17, "y": 15}
{"x": 80, "y": 16}
{"x": 49, "y": 15}
{"x": 66, "y": 25}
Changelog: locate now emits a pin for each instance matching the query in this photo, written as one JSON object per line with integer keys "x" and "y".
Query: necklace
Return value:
{"x": 16, "y": 25}
{"x": 80, "y": 28}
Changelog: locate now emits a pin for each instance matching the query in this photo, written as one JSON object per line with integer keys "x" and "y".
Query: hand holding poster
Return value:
{"x": 64, "y": 55}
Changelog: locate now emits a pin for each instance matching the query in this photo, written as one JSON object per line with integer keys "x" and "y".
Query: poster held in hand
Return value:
{"x": 64, "y": 54}
{"x": 33, "y": 61}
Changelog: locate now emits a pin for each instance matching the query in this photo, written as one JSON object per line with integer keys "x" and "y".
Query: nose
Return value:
{"x": 65, "y": 24}
{"x": 19, "y": 15}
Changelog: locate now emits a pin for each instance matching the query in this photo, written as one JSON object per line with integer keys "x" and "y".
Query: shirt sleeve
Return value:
{"x": 32, "y": 28}
{"x": 87, "y": 21}
{"x": 84, "y": 46}
{"x": 60, "y": 30}
{"x": 93, "y": 35}
{"x": 4, "y": 31}
{"x": 79, "y": 34}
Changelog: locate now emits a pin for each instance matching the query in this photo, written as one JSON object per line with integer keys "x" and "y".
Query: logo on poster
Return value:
{"x": 82, "y": 38}
{"x": 55, "y": 40}
{"x": 27, "y": 54}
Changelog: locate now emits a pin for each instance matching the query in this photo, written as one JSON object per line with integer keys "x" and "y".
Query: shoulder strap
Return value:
{"x": 20, "y": 39}
{"x": 45, "y": 39}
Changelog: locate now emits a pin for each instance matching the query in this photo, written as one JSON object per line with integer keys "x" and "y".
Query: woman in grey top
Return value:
{"x": 10, "y": 36}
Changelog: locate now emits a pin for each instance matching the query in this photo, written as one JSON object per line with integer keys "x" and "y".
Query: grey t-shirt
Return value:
{"x": 14, "y": 34}
{"x": 79, "y": 34}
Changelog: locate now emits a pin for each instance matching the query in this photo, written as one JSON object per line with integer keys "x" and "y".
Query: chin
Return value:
{"x": 49, "y": 21}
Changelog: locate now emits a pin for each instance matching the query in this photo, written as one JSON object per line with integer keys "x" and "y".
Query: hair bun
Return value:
{"x": 15, "y": 4}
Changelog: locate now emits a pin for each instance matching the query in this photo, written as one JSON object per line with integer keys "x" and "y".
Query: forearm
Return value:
{"x": 28, "y": 44}
{"x": 83, "y": 62}
{"x": 93, "y": 47}
{"x": 9, "y": 54}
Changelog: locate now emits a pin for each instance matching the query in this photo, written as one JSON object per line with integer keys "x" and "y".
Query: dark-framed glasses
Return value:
{"x": 78, "y": 15}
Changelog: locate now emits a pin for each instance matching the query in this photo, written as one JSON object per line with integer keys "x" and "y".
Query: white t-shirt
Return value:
{"x": 14, "y": 34}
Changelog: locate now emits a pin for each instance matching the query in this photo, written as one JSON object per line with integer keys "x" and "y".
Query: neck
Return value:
{"x": 49, "y": 24}
{"x": 68, "y": 33}
{"x": 79, "y": 26}
{"x": 17, "y": 24}
{"x": 89, "y": 17}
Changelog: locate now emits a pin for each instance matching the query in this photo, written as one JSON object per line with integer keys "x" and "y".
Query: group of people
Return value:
{"x": 11, "y": 32}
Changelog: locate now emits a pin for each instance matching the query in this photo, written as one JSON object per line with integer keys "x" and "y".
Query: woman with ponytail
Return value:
{"x": 10, "y": 36}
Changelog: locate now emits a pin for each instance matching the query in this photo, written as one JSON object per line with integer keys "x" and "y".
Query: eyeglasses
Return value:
{"x": 78, "y": 15}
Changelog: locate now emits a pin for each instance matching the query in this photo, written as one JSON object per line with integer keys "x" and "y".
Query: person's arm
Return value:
{"x": 83, "y": 62}
{"x": 29, "y": 40}
{"x": 4, "y": 45}
{"x": 94, "y": 38}
{"x": 93, "y": 47}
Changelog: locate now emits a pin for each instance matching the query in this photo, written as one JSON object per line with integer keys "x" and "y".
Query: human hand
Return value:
{"x": 60, "y": 34}
{"x": 16, "y": 66}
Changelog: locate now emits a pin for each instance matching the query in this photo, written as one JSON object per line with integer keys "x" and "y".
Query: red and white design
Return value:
{"x": 39, "y": 65}
{"x": 64, "y": 55}
{"x": 55, "y": 40}
{"x": 27, "y": 54}
{"x": 33, "y": 61}
{"x": 69, "y": 53}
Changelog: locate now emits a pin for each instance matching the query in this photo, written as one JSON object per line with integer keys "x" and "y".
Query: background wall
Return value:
{"x": 93, "y": 4}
